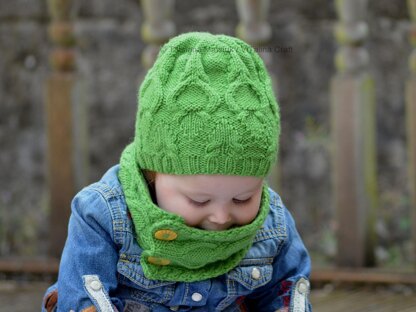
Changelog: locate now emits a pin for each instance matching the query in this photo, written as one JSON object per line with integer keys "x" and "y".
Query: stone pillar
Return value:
{"x": 353, "y": 139}
{"x": 157, "y": 28}
{"x": 65, "y": 125}
{"x": 411, "y": 121}
{"x": 255, "y": 29}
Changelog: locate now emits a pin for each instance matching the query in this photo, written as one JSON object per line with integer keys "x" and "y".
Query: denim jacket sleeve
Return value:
{"x": 288, "y": 289}
{"x": 84, "y": 274}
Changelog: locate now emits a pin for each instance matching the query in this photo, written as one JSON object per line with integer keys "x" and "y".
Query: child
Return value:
{"x": 186, "y": 221}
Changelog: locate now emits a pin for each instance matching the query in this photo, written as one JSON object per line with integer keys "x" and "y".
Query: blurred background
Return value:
{"x": 107, "y": 48}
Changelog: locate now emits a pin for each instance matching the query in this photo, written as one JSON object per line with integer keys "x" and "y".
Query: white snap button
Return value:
{"x": 196, "y": 297}
{"x": 256, "y": 274}
{"x": 303, "y": 287}
{"x": 95, "y": 285}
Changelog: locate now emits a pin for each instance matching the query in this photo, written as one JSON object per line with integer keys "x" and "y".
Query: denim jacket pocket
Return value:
{"x": 242, "y": 281}
{"x": 249, "y": 278}
{"x": 143, "y": 289}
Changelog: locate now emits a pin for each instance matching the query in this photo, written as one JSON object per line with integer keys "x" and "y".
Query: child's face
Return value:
{"x": 210, "y": 202}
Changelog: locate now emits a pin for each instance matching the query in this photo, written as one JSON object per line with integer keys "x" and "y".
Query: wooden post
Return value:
{"x": 157, "y": 28}
{"x": 254, "y": 27}
{"x": 66, "y": 152}
{"x": 256, "y": 31}
{"x": 353, "y": 139}
{"x": 411, "y": 122}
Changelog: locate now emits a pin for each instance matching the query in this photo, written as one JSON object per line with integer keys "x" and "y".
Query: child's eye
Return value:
{"x": 241, "y": 201}
{"x": 198, "y": 203}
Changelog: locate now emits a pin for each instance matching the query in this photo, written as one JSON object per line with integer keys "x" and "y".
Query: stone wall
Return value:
{"x": 109, "y": 67}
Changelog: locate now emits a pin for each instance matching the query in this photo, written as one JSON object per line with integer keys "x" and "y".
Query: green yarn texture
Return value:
{"x": 195, "y": 254}
{"x": 207, "y": 107}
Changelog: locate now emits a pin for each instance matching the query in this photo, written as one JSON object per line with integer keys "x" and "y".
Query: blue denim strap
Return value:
{"x": 97, "y": 293}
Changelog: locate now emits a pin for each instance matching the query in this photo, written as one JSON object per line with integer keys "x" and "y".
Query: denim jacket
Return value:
{"x": 100, "y": 266}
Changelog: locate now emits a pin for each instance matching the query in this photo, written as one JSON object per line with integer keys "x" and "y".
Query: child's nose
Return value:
{"x": 220, "y": 215}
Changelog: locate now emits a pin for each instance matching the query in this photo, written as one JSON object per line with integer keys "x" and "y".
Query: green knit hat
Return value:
{"x": 207, "y": 107}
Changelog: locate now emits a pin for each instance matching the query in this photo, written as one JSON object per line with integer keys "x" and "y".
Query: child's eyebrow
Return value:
{"x": 249, "y": 191}
{"x": 196, "y": 193}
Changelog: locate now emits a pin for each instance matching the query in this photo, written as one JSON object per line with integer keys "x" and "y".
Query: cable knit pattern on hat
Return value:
{"x": 207, "y": 107}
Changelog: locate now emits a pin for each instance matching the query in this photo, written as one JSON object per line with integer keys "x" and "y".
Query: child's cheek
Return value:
{"x": 189, "y": 213}
{"x": 165, "y": 198}
{"x": 171, "y": 201}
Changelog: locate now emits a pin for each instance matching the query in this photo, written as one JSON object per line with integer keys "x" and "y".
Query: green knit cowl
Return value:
{"x": 193, "y": 254}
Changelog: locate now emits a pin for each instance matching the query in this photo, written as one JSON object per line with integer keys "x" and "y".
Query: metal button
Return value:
{"x": 166, "y": 235}
{"x": 303, "y": 287}
{"x": 95, "y": 285}
{"x": 175, "y": 308}
{"x": 196, "y": 297}
{"x": 256, "y": 274}
{"x": 158, "y": 261}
